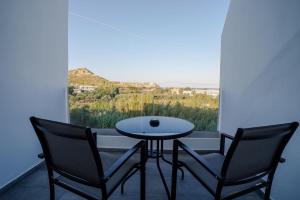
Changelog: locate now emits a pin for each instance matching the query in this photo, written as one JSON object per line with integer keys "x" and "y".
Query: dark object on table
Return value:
{"x": 65, "y": 146}
{"x": 229, "y": 176}
{"x": 154, "y": 122}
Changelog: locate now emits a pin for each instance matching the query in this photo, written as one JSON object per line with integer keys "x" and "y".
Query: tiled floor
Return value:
{"x": 35, "y": 187}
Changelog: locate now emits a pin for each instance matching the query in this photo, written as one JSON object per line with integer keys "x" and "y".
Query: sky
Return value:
{"x": 169, "y": 42}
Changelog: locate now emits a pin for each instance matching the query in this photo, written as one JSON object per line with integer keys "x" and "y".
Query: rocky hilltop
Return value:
{"x": 85, "y": 77}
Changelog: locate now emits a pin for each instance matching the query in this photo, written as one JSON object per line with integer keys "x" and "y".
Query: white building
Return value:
{"x": 87, "y": 88}
{"x": 211, "y": 92}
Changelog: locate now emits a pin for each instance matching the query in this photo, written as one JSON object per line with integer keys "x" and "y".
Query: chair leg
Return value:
{"x": 267, "y": 193}
{"x": 51, "y": 183}
{"x": 143, "y": 185}
{"x": 103, "y": 196}
{"x": 143, "y": 173}
{"x": 218, "y": 191}
{"x": 269, "y": 185}
{"x": 52, "y": 190}
{"x": 174, "y": 170}
{"x": 218, "y": 196}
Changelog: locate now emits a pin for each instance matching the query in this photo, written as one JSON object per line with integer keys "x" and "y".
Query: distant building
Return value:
{"x": 192, "y": 91}
{"x": 208, "y": 91}
{"x": 175, "y": 91}
{"x": 148, "y": 90}
{"x": 187, "y": 92}
{"x": 84, "y": 88}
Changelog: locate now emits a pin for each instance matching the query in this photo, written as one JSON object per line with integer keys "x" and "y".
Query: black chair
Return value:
{"x": 73, "y": 161}
{"x": 254, "y": 154}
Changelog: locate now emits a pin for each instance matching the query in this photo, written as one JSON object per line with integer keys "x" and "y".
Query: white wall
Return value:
{"x": 260, "y": 76}
{"x": 33, "y": 77}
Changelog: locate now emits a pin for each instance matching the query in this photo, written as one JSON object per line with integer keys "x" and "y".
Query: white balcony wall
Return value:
{"x": 260, "y": 76}
{"x": 33, "y": 77}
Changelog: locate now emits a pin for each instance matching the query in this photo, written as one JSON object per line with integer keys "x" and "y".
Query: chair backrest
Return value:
{"x": 69, "y": 150}
{"x": 256, "y": 151}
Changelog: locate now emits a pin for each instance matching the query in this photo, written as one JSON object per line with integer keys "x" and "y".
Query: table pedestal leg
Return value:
{"x": 160, "y": 172}
{"x": 169, "y": 162}
{"x": 157, "y": 154}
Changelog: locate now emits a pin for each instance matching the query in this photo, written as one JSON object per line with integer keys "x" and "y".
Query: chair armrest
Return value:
{"x": 282, "y": 160}
{"x": 94, "y": 134}
{"x": 122, "y": 160}
{"x": 200, "y": 160}
{"x": 41, "y": 156}
{"x": 222, "y": 141}
{"x": 225, "y": 135}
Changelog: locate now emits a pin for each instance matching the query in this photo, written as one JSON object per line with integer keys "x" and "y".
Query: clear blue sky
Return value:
{"x": 170, "y": 42}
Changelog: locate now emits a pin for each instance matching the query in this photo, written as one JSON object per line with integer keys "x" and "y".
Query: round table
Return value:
{"x": 167, "y": 128}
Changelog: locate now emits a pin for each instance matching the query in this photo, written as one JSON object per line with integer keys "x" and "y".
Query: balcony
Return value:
{"x": 259, "y": 84}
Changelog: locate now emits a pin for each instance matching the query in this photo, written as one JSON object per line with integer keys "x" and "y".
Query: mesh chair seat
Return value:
{"x": 216, "y": 161}
{"x": 108, "y": 159}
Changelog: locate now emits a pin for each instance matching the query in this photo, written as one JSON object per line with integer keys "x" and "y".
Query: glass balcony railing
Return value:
{"x": 103, "y": 106}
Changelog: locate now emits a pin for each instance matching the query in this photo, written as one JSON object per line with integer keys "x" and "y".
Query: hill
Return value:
{"x": 84, "y": 77}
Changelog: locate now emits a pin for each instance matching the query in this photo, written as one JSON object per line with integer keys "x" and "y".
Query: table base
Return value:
{"x": 157, "y": 154}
